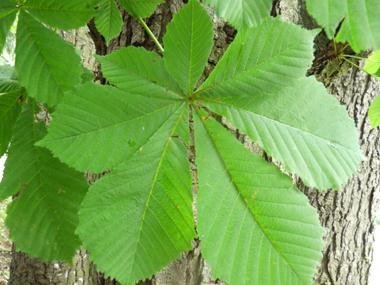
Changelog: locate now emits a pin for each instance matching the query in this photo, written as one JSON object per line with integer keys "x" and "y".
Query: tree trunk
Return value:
{"x": 348, "y": 215}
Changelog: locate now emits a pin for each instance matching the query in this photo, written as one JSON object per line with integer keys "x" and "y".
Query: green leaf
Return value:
{"x": 93, "y": 3}
{"x": 65, "y": 15}
{"x": 360, "y": 25}
{"x": 43, "y": 218}
{"x": 372, "y": 64}
{"x": 108, "y": 20}
{"x": 242, "y": 13}
{"x": 138, "y": 71}
{"x": 255, "y": 226}
{"x": 87, "y": 75}
{"x": 188, "y": 42}
{"x": 97, "y": 127}
{"x": 328, "y": 13}
{"x": 10, "y": 108}
{"x": 362, "y": 22}
{"x": 8, "y": 79}
{"x": 144, "y": 217}
{"x": 8, "y": 12}
{"x": 55, "y": 67}
{"x": 183, "y": 129}
{"x": 263, "y": 60}
{"x": 374, "y": 113}
{"x": 303, "y": 127}
{"x": 140, "y": 8}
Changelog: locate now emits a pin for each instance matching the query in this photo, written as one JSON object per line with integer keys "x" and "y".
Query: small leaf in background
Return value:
{"x": 108, "y": 20}
{"x": 188, "y": 42}
{"x": 328, "y": 13}
{"x": 43, "y": 218}
{"x": 361, "y": 21}
{"x": 374, "y": 113}
{"x": 372, "y": 64}
{"x": 65, "y": 15}
{"x": 255, "y": 226}
{"x": 8, "y": 12}
{"x": 10, "y": 108}
{"x": 140, "y": 8}
{"x": 87, "y": 75}
{"x": 8, "y": 79}
{"x": 242, "y": 13}
{"x": 144, "y": 217}
{"x": 56, "y": 66}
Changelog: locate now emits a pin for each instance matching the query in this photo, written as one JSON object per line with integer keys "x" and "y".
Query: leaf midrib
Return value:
{"x": 59, "y": 92}
{"x": 191, "y": 50}
{"x": 278, "y": 123}
{"x": 114, "y": 125}
{"x": 151, "y": 189}
{"x": 11, "y": 9}
{"x": 40, "y": 180}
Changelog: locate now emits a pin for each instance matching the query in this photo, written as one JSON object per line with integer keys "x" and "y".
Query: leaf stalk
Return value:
{"x": 151, "y": 35}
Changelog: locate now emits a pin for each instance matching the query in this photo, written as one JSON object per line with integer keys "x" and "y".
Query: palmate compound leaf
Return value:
{"x": 374, "y": 113}
{"x": 108, "y": 20}
{"x": 143, "y": 218}
{"x": 302, "y": 126}
{"x": 360, "y": 25}
{"x": 262, "y": 60}
{"x": 65, "y": 15}
{"x": 8, "y": 12}
{"x": 10, "y": 108}
{"x": 188, "y": 42}
{"x": 47, "y": 65}
{"x": 242, "y": 13}
{"x": 255, "y": 226}
{"x": 138, "y": 71}
{"x": 98, "y": 127}
{"x": 140, "y": 8}
{"x": 43, "y": 218}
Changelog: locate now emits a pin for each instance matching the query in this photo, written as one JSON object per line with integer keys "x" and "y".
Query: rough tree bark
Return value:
{"x": 348, "y": 215}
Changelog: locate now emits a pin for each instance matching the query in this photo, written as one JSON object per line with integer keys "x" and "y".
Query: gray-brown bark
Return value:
{"x": 347, "y": 215}
{"x": 30, "y": 271}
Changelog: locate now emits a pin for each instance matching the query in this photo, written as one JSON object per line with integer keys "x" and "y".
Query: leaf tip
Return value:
{"x": 315, "y": 32}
